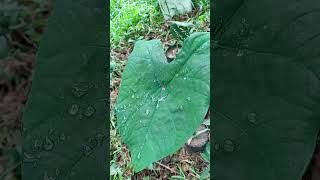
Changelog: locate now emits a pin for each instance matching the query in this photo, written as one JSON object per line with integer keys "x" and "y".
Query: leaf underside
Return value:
{"x": 161, "y": 104}
{"x": 64, "y": 123}
{"x": 266, "y": 76}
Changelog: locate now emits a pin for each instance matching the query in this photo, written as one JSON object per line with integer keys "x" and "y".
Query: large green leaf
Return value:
{"x": 266, "y": 88}
{"x": 64, "y": 123}
{"x": 161, "y": 104}
{"x": 171, "y": 8}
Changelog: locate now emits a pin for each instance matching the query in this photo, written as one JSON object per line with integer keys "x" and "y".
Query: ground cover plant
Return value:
{"x": 151, "y": 25}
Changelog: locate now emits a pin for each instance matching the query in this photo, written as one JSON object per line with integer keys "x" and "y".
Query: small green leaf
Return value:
{"x": 179, "y": 33}
{"x": 160, "y": 104}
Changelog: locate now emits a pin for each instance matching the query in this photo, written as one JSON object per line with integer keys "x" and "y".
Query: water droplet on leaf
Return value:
{"x": 48, "y": 144}
{"x": 37, "y": 144}
{"x": 57, "y": 172}
{"x": 73, "y": 110}
{"x": 86, "y": 150}
{"x": 28, "y": 158}
{"x": 217, "y": 146}
{"x": 240, "y": 53}
{"x": 90, "y": 110}
{"x": 47, "y": 177}
{"x": 100, "y": 138}
{"x": 228, "y": 146}
{"x": 62, "y": 137}
{"x": 61, "y": 95}
{"x": 35, "y": 164}
{"x": 79, "y": 94}
{"x": 147, "y": 111}
{"x": 252, "y": 117}
{"x": 80, "y": 89}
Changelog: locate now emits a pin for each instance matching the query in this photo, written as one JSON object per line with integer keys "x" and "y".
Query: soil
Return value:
{"x": 15, "y": 83}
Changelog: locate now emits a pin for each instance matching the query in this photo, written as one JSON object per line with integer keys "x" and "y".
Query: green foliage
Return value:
{"x": 204, "y": 8}
{"x": 130, "y": 17}
{"x": 160, "y": 104}
{"x": 266, "y": 98}
{"x": 64, "y": 120}
{"x": 179, "y": 33}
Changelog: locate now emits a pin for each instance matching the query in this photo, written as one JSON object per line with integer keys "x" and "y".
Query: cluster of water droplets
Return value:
{"x": 140, "y": 150}
{"x": 91, "y": 143}
{"x": 227, "y": 146}
{"x": 80, "y": 89}
{"x": 53, "y": 176}
{"x": 48, "y": 142}
{"x": 40, "y": 145}
{"x": 161, "y": 98}
{"x": 43, "y": 144}
{"x": 47, "y": 177}
{"x": 242, "y": 37}
{"x": 87, "y": 148}
{"x": 75, "y": 109}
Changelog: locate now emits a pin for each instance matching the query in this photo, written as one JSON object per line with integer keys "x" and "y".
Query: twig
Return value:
{"x": 174, "y": 170}
{"x": 167, "y": 167}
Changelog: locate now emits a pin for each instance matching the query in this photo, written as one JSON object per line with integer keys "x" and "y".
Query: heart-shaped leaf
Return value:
{"x": 266, "y": 88}
{"x": 64, "y": 132}
{"x": 161, "y": 104}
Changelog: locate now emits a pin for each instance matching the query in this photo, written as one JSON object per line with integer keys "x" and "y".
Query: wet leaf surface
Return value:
{"x": 160, "y": 104}
{"x": 64, "y": 123}
{"x": 266, "y": 73}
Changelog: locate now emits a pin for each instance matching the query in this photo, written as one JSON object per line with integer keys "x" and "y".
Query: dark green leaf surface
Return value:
{"x": 64, "y": 123}
{"x": 161, "y": 104}
{"x": 266, "y": 92}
